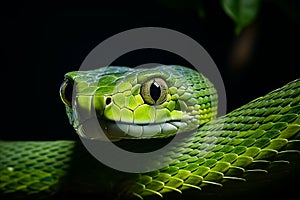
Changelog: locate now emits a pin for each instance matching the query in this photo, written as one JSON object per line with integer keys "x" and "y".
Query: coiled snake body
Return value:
{"x": 212, "y": 155}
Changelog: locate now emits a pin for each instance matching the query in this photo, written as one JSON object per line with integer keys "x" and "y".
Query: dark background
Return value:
{"x": 42, "y": 41}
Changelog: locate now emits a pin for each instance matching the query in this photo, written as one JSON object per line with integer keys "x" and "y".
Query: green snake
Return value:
{"x": 137, "y": 108}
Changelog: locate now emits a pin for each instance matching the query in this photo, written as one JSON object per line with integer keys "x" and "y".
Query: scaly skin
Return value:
{"x": 233, "y": 151}
{"x": 190, "y": 100}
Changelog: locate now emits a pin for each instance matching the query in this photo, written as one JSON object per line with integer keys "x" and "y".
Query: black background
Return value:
{"x": 40, "y": 42}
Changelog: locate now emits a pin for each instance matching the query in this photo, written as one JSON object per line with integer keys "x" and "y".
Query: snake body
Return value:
{"x": 144, "y": 106}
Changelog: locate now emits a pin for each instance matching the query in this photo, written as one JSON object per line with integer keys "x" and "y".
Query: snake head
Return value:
{"x": 129, "y": 103}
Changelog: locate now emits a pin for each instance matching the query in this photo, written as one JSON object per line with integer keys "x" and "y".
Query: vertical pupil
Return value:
{"x": 155, "y": 91}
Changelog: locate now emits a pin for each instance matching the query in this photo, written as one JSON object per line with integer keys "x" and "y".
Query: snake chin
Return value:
{"x": 99, "y": 129}
{"x": 142, "y": 131}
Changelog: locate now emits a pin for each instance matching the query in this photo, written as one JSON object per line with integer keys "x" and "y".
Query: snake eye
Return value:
{"x": 65, "y": 92}
{"x": 154, "y": 91}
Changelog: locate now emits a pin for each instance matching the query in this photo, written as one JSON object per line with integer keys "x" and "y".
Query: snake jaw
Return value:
{"x": 134, "y": 131}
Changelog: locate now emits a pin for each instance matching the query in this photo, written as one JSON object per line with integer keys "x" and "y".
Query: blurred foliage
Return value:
{"x": 242, "y": 12}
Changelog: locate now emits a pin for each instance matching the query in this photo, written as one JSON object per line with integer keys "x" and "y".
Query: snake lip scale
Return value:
{"x": 140, "y": 131}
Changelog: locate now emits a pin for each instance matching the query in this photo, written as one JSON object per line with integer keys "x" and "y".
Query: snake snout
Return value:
{"x": 66, "y": 91}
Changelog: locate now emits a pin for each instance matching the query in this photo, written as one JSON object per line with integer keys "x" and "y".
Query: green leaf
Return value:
{"x": 243, "y": 12}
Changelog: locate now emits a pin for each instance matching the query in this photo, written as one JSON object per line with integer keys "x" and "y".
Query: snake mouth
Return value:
{"x": 141, "y": 131}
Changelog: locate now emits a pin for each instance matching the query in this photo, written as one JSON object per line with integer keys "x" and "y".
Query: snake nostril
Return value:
{"x": 108, "y": 100}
